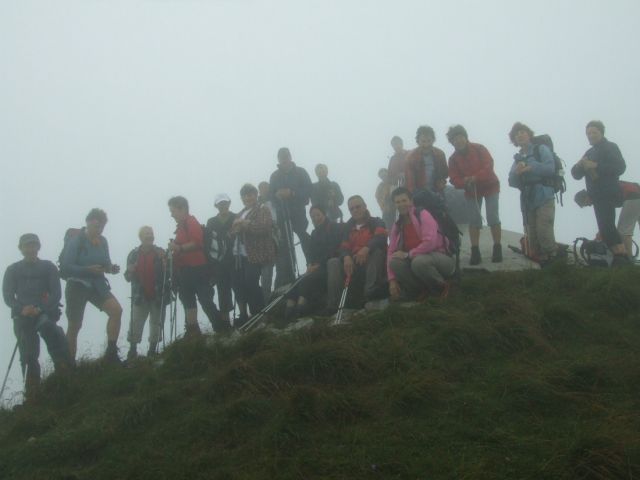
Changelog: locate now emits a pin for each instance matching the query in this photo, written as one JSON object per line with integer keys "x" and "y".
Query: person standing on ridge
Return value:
{"x": 84, "y": 262}
{"x": 530, "y": 173}
{"x": 601, "y": 167}
{"x": 327, "y": 194}
{"x": 218, "y": 238}
{"x": 290, "y": 189}
{"x": 146, "y": 271}
{"x": 192, "y": 270}
{"x": 31, "y": 289}
{"x": 426, "y": 165}
{"x": 397, "y": 163}
{"x": 471, "y": 169}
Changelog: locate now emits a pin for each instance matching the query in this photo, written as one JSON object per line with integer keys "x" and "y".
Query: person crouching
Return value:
{"x": 417, "y": 259}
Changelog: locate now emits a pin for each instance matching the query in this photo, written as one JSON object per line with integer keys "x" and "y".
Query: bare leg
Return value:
{"x": 72, "y": 335}
{"x": 191, "y": 316}
{"x": 496, "y": 233}
{"x": 113, "y": 309}
{"x": 628, "y": 244}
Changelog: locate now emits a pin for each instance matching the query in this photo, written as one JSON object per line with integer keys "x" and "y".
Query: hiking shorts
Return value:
{"x": 474, "y": 208}
{"x": 629, "y": 216}
{"x": 194, "y": 281}
{"x": 77, "y": 295}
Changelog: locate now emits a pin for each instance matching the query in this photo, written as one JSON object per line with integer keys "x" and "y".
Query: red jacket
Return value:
{"x": 415, "y": 175}
{"x": 475, "y": 162}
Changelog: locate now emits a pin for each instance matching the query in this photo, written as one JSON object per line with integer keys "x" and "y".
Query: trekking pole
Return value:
{"x": 13, "y": 356}
{"x": 343, "y": 301}
{"x": 291, "y": 246}
{"x": 163, "y": 304}
{"x": 475, "y": 197}
{"x": 255, "y": 320}
{"x": 525, "y": 218}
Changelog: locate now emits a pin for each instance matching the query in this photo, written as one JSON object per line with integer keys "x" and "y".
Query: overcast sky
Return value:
{"x": 122, "y": 104}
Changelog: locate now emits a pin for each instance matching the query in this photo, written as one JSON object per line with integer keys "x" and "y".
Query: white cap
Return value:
{"x": 221, "y": 197}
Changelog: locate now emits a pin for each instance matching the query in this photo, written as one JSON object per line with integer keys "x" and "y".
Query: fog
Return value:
{"x": 123, "y": 104}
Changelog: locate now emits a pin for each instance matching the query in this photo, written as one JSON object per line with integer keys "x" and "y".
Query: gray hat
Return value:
{"x": 28, "y": 238}
{"x": 221, "y": 197}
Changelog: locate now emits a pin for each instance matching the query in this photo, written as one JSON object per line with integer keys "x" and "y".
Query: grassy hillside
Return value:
{"x": 527, "y": 375}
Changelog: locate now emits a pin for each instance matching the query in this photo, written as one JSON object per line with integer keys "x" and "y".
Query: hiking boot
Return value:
{"x": 111, "y": 354}
{"x": 132, "y": 354}
{"x": 475, "y": 256}
{"x": 153, "y": 350}
{"x": 192, "y": 331}
{"x": 240, "y": 321}
{"x": 620, "y": 260}
{"x": 290, "y": 313}
{"x": 496, "y": 257}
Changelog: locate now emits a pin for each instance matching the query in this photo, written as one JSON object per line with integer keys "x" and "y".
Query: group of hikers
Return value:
{"x": 404, "y": 255}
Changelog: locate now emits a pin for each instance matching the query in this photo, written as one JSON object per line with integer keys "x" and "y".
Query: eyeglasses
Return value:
{"x": 355, "y": 207}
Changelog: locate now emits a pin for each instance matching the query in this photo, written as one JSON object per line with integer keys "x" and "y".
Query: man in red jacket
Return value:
{"x": 426, "y": 165}
{"x": 471, "y": 169}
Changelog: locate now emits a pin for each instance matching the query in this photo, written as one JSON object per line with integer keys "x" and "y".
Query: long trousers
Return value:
{"x": 423, "y": 272}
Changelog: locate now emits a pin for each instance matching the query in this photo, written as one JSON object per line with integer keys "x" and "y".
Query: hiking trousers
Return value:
{"x": 140, "y": 312}
{"x": 539, "y": 222}
{"x": 373, "y": 272}
{"x": 428, "y": 271}
{"x": 605, "y": 211}
{"x": 28, "y": 331}
{"x": 246, "y": 284}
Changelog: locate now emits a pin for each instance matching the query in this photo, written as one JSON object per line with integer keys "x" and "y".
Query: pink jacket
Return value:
{"x": 430, "y": 239}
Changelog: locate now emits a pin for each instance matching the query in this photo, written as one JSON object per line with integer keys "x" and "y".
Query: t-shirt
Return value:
{"x": 187, "y": 232}
{"x": 410, "y": 237}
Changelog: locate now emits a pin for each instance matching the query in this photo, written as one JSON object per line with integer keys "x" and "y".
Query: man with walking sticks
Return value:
{"x": 146, "y": 272}
{"x": 362, "y": 256}
{"x": 31, "y": 288}
{"x": 290, "y": 188}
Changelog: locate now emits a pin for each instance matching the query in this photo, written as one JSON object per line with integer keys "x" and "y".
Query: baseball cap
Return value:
{"x": 221, "y": 197}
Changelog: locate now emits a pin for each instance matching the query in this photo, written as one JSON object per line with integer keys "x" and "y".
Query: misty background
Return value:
{"x": 123, "y": 104}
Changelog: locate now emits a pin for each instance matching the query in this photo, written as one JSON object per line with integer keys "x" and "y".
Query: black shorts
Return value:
{"x": 192, "y": 281}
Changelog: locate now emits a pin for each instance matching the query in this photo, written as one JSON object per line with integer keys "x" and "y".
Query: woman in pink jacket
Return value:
{"x": 417, "y": 259}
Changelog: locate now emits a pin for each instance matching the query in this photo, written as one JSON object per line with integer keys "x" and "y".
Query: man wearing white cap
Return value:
{"x": 218, "y": 248}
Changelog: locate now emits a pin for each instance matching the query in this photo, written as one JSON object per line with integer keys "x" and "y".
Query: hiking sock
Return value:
{"x": 476, "y": 258}
{"x": 497, "y": 253}
{"x": 153, "y": 349}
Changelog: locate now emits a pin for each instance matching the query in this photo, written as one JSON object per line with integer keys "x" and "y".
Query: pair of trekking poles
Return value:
{"x": 168, "y": 285}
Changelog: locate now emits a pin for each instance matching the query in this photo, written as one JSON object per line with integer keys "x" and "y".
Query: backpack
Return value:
{"x": 630, "y": 190}
{"x": 557, "y": 182}
{"x": 215, "y": 248}
{"x": 70, "y": 234}
{"x": 427, "y": 200}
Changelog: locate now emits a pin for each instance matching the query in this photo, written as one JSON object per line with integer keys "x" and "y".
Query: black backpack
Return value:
{"x": 435, "y": 205}
{"x": 557, "y": 182}
{"x": 70, "y": 234}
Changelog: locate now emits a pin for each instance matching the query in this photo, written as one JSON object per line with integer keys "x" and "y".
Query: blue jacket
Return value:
{"x": 533, "y": 193}
{"x": 79, "y": 253}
